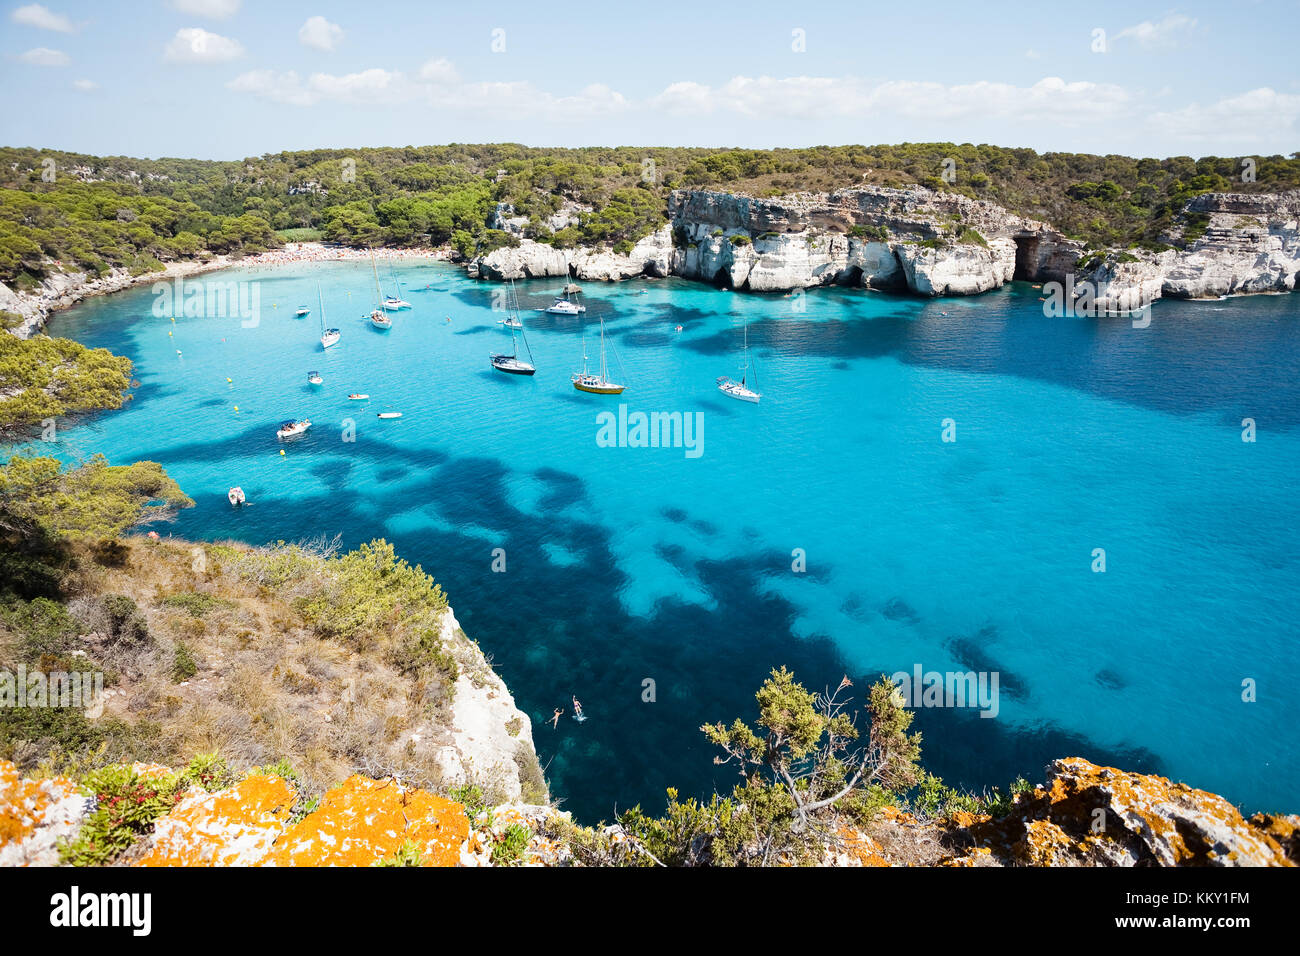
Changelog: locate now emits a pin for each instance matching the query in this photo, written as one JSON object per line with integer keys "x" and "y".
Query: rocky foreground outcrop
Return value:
{"x": 1084, "y": 815}
{"x": 931, "y": 243}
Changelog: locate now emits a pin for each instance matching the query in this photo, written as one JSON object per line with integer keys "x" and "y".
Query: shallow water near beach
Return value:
{"x": 626, "y": 565}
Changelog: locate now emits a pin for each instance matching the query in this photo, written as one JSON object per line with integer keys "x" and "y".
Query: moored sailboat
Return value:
{"x": 377, "y": 317}
{"x": 741, "y": 390}
{"x": 512, "y": 363}
{"x": 328, "y": 337}
{"x": 597, "y": 384}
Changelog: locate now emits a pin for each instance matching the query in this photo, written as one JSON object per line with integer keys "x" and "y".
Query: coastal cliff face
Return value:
{"x": 931, "y": 243}
{"x": 915, "y": 239}
{"x": 1083, "y": 815}
{"x": 1250, "y": 245}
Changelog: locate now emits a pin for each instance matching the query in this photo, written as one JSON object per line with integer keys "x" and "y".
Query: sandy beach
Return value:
{"x": 65, "y": 289}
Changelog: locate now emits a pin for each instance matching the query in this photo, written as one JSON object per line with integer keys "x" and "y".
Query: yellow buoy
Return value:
{"x": 236, "y": 408}
{"x": 281, "y": 451}
{"x": 227, "y": 378}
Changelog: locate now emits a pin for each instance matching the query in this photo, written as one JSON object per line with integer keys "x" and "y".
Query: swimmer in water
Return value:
{"x": 555, "y": 717}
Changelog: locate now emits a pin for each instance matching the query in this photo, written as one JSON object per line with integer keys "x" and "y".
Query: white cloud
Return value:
{"x": 44, "y": 56}
{"x": 85, "y": 86}
{"x": 1255, "y": 117}
{"x": 437, "y": 83}
{"x": 1153, "y": 34}
{"x": 43, "y": 18}
{"x": 195, "y": 45}
{"x": 822, "y": 97}
{"x": 439, "y": 72}
{"x": 320, "y": 34}
{"x": 211, "y": 9}
{"x": 368, "y": 86}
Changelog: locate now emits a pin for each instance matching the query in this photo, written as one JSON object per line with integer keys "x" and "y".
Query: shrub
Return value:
{"x": 195, "y": 604}
{"x": 740, "y": 240}
{"x": 408, "y": 854}
{"x": 126, "y": 807}
{"x": 509, "y": 849}
{"x": 126, "y": 625}
{"x": 183, "y": 664}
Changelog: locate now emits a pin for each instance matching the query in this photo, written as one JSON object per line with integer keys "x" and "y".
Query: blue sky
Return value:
{"x": 225, "y": 79}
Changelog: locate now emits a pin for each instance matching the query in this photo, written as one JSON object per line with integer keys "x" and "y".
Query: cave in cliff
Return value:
{"x": 1026, "y": 258}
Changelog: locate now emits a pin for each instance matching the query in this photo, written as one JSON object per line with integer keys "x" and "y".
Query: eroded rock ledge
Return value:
{"x": 929, "y": 243}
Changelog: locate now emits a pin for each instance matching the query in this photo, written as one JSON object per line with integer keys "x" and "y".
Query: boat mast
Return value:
{"x": 380, "y": 303}
{"x": 320, "y": 303}
{"x": 604, "y": 369}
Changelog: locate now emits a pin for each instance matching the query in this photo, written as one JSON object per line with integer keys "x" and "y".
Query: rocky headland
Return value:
{"x": 929, "y": 243}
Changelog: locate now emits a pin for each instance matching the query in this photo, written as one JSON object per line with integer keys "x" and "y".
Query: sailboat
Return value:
{"x": 585, "y": 381}
{"x": 563, "y": 305}
{"x": 740, "y": 390}
{"x": 394, "y": 302}
{"x": 328, "y": 337}
{"x": 512, "y": 363}
{"x": 377, "y": 317}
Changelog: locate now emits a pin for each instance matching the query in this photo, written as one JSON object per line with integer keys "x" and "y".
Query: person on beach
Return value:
{"x": 555, "y": 717}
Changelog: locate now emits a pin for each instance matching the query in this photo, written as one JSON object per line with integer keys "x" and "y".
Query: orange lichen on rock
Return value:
{"x": 855, "y": 848}
{"x": 363, "y": 820}
{"x": 34, "y": 815}
{"x": 234, "y": 827}
{"x": 1088, "y": 815}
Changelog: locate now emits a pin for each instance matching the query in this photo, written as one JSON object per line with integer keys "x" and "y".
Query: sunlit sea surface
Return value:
{"x": 626, "y": 565}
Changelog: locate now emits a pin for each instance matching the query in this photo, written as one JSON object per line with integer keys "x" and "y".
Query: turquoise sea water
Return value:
{"x": 628, "y": 564}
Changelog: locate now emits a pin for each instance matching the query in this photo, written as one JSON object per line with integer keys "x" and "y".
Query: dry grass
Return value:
{"x": 267, "y": 686}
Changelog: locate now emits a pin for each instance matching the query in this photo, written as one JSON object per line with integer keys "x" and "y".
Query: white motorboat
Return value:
{"x": 292, "y": 429}
{"x": 236, "y": 496}
{"x": 567, "y": 302}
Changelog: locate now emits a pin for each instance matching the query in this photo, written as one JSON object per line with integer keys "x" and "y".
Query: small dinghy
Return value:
{"x": 302, "y": 310}
{"x": 292, "y": 429}
{"x": 314, "y": 378}
{"x": 358, "y": 397}
{"x": 390, "y": 414}
{"x": 236, "y": 496}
